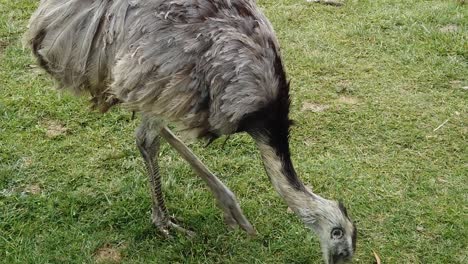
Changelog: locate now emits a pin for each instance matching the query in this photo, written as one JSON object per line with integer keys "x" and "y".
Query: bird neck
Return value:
{"x": 278, "y": 166}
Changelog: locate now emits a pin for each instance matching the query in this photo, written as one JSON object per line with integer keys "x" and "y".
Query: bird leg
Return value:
{"x": 148, "y": 142}
{"x": 226, "y": 200}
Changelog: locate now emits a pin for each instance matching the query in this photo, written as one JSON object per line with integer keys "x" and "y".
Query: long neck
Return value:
{"x": 278, "y": 165}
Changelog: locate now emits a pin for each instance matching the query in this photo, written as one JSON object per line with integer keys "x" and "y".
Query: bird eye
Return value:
{"x": 337, "y": 233}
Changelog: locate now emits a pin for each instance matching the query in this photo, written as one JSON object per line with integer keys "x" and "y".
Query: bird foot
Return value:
{"x": 233, "y": 216}
{"x": 166, "y": 224}
{"x": 235, "y": 220}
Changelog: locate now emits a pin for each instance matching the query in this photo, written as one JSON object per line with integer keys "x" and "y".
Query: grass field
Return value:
{"x": 379, "y": 92}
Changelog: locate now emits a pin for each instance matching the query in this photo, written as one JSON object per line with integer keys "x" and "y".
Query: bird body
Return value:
{"x": 212, "y": 67}
{"x": 202, "y": 64}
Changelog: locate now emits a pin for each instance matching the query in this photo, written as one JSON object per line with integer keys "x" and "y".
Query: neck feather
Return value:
{"x": 282, "y": 175}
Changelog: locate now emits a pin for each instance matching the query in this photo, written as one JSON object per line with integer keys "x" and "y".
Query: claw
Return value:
{"x": 165, "y": 232}
{"x": 187, "y": 232}
{"x": 165, "y": 224}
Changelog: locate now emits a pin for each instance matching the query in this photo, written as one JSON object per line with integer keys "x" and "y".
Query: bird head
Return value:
{"x": 336, "y": 232}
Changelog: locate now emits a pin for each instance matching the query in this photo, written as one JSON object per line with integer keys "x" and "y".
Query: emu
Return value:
{"x": 210, "y": 67}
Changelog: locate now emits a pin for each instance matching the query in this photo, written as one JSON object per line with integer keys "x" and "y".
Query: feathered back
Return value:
{"x": 203, "y": 63}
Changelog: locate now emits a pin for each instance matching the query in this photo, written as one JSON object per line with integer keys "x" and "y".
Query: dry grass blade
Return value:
{"x": 441, "y": 125}
{"x": 377, "y": 258}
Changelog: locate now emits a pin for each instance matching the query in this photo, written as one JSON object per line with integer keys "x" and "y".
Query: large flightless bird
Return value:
{"x": 211, "y": 67}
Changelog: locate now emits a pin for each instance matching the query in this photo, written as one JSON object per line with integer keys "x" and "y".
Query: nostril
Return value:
{"x": 344, "y": 253}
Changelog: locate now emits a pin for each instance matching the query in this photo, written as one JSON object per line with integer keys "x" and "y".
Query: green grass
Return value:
{"x": 387, "y": 72}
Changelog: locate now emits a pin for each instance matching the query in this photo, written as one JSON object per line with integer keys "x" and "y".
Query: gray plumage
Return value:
{"x": 203, "y": 64}
{"x": 211, "y": 67}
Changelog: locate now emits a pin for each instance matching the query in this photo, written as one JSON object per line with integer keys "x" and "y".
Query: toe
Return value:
{"x": 181, "y": 229}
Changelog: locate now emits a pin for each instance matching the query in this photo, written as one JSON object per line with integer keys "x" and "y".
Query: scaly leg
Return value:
{"x": 148, "y": 142}
{"x": 227, "y": 201}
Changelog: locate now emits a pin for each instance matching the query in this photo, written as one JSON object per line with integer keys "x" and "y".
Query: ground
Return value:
{"x": 379, "y": 96}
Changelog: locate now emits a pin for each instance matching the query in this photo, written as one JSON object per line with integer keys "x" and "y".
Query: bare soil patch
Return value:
{"x": 108, "y": 254}
{"x": 314, "y": 107}
{"x": 54, "y": 129}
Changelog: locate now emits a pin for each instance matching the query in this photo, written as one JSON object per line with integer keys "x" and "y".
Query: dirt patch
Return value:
{"x": 449, "y": 28}
{"x": 313, "y": 107}
{"x": 54, "y": 129}
{"x": 347, "y": 100}
{"x": 108, "y": 254}
{"x": 32, "y": 189}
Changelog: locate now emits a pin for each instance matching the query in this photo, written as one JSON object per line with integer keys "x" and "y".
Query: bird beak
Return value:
{"x": 328, "y": 258}
{"x": 334, "y": 259}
